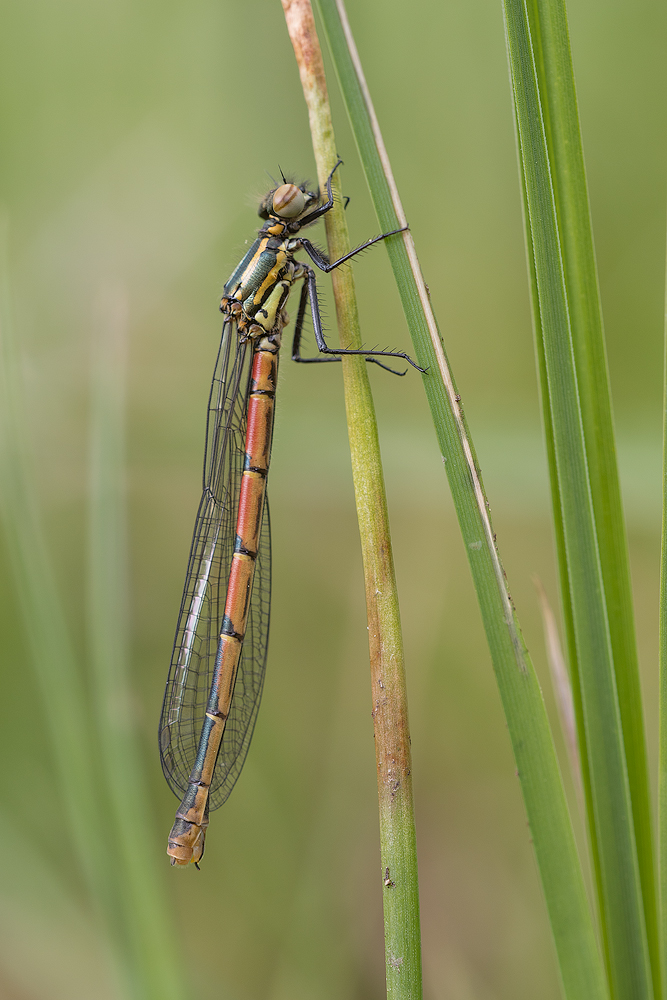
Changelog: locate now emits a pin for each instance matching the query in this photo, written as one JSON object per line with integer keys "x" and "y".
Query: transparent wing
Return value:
{"x": 202, "y": 606}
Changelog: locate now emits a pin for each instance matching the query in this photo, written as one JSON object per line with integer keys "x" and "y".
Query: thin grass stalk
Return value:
{"x": 551, "y": 829}
{"x": 150, "y": 939}
{"x": 560, "y": 681}
{"x": 553, "y": 62}
{"x": 564, "y": 580}
{"x": 621, "y": 896}
{"x": 390, "y": 714}
{"x": 60, "y": 683}
{"x": 662, "y": 759}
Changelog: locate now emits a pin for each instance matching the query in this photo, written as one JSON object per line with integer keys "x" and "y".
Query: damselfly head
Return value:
{"x": 288, "y": 201}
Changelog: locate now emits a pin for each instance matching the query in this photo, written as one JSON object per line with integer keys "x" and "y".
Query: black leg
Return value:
{"x": 298, "y": 329}
{"x": 310, "y": 291}
{"x": 296, "y": 343}
{"x": 323, "y": 209}
{"x": 324, "y": 265}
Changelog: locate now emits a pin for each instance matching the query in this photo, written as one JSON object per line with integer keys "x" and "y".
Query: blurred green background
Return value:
{"x": 136, "y": 141}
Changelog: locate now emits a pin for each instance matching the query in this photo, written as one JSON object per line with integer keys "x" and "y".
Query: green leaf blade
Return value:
{"x": 621, "y": 898}
{"x": 551, "y": 46}
{"x": 579, "y": 960}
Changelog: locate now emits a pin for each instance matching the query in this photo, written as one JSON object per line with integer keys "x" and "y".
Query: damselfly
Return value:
{"x": 217, "y": 666}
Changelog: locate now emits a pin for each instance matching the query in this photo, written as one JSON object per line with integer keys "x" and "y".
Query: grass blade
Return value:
{"x": 118, "y": 866}
{"x": 59, "y": 680}
{"x": 150, "y": 938}
{"x": 553, "y": 63}
{"x": 398, "y": 847}
{"x": 611, "y": 807}
{"x": 538, "y": 770}
{"x": 662, "y": 758}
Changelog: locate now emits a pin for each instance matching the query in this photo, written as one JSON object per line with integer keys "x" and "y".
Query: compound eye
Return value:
{"x": 288, "y": 201}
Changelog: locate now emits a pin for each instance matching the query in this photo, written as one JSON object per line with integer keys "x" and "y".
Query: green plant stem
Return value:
{"x": 65, "y": 709}
{"x": 553, "y": 63}
{"x": 618, "y": 871}
{"x": 150, "y": 938}
{"x": 390, "y": 717}
{"x": 560, "y": 870}
{"x": 662, "y": 759}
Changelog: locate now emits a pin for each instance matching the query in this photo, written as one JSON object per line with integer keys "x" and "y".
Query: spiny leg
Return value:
{"x": 298, "y": 329}
{"x": 310, "y": 286}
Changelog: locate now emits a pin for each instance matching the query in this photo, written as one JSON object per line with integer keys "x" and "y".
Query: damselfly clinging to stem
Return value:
{"x": 217, "y": 666}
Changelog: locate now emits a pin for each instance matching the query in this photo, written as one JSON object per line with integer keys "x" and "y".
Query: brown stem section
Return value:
{"x": 390, "y": 717}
